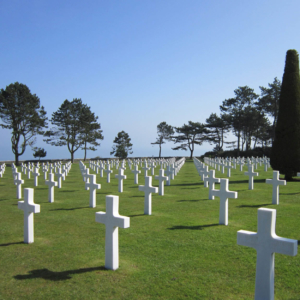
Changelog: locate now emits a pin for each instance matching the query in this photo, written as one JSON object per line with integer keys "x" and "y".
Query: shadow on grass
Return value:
{"x": 255, "y": 206}
{"x": 298, "y": 242}
{"x": 132, "y": 216}
{"x": 8, "y": 244}
{"x": 69, "y": 208}
{"x": 289, "y": 193}
{"x": 198, "y": 227}
{"x": 70, "y": 191}
{"x": 247, "y": 181}
{"x": 184, "y": 184}
{"x": 56, "y": 276}
{"x": 191, "y": 200}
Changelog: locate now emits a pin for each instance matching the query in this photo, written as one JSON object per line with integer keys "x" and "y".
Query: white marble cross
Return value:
{"x": 29, "y": 208}
{"x": 36, "y": 175}
{"x": 275, "y": 183}
{"x": 18, "y": 182}
{"x": 146, "y": 169}
{"x": 169, "y": 174}
{"x": 161, "y": 179}
{"x": 108, "y": 171}
{"x": 136, "y": 173}
{"x": 224, "y": 194}
{"x": 266, "y": 243}
{"x": 148, "y": 189}
{"x": 228, "y": 167}
{"x": 93, "y": 186}
{"x": 211, "y": 180}
{"x": 112, "y": 221}
{"x": 120, "y": 176}
{"x": 59, "y": 176}
{"x": 251, "y": 174}
{"x": 51, "y": 184}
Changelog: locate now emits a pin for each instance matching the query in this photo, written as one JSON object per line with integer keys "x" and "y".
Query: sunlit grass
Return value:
{"x": 178, "y": 252}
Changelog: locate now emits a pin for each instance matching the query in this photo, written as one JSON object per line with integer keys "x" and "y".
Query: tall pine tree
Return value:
{"x": 285, "y": 155}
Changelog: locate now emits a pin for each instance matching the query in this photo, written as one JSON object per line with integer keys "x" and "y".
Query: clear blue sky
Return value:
{"x": 137, "y": 63}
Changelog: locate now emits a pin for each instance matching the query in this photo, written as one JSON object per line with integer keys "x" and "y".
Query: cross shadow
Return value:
{"x": 132, "y": 216}
{"x": 71, "y": 191}
{"x": 56, "y": 276}
{"x": 298, "y": 242}
{"x": 255, "y": 206}
{"x": 189, "y": 200}
{"x": 289, "y": 193}
{"x": 184, "y": 184}
{"x": 69, "y": 208}
{"x": 197, "y": 227}
{"x": 247, "y": 181}
{"x": 8, "y": 244}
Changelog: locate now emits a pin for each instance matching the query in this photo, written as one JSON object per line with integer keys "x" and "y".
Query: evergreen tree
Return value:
{"x": 164, "y": 132}
{"x": 21, "y": 112}
{"x": 285, "y": 155}
{"x": 72, "y": 120}
{"x": 39, "y": 152}
{"x": 122, "y": 145}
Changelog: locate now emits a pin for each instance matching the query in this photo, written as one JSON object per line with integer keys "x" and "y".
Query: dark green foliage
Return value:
{"x": 75, "y": 127}
{"x": 122, "y": 145}
{"x": 21, "y": 111}
{"x": 285, "y": 156}
{"x": 164, "y": 132}
{"x": 39, "y": 152}
{"x": 189, "y": 135}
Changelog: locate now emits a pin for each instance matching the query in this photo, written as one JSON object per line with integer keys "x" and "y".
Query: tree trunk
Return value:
{"x": 72, "y": 157}
{"x": 17, "y": 159}
{"x": 159, "y": 150}
{"x": 192, "y": 150}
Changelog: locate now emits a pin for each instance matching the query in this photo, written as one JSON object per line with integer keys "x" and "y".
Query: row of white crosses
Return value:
{"x": 2, "y": 169}
{"x": 224, "y": 194}
{"x": 265, "y": 241}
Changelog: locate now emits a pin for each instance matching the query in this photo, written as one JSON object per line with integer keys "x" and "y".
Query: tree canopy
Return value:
{"x": 164, "y": 132}
{"x": 21, "y": 112}
{"x": 189, "y": 135}
{"x": 39, "y": 152}
{"x": 75, "y": 126}
{"x": 123, "y": 145}
{"x": 285, "y": 155}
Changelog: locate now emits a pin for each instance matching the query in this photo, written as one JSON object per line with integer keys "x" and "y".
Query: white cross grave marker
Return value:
{"x": 18, "y": 182}
{"x": 224, "y": 194}
{"x": 136, "y": 173}
{"x": 51, "y": 184}
{"x": 161, "y": 179}
{"x": 36, "y": 175}
{"x": 211, "y": 180}
{"x": 275, "y": 182}
{"x": 29, "y": 207}
{"x": 112, "y": 221}
{"x": 108, "y": 171}
{"x": 251, "y": 174}
{"x": 148, "y": 189}
{"x": 120, "y": 177}
{"x": 93, "y": 186}
{"x": 266, "y": 243}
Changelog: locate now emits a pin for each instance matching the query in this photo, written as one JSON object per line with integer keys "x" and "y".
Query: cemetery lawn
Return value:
{"x": 179, "y": 252}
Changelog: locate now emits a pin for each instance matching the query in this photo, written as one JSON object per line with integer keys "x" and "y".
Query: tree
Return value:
{"x": 189, "y": 135}
{"x": 285, "y": 154}
{"x": 235, "y": 107}
{"x": 91, "y": 131}
{"x": 39, "y": 152}
{"x": 217, "y": 127}
{"x": 72, "y": 120}
{"x": 123, "y": 145}
{"x": 21, "y": 111}
{"x": 164, "y": 132}
{"x": 269, "y": 101}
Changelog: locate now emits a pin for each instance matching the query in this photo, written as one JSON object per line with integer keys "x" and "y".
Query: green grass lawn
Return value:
{"x": 179, "y": 252}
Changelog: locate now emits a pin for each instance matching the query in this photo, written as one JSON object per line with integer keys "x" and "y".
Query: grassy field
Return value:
{"x": 179, "y": 252}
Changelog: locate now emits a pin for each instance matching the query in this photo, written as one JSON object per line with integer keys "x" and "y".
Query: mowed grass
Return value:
{"x": 179, "y": 252}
